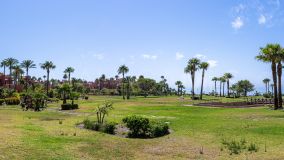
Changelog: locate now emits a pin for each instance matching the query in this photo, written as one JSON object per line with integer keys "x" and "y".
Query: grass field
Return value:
{"x": 40, "y": 135}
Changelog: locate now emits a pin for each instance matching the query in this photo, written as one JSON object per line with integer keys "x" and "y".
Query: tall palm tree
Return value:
{"x": 3, "y": 65}
{"x": 11, "y": 62}
{"x": 178, "y": 84}
{"x": 27, "y": 64}
{"x": 123, "y": 70}
{"x": 204, "y": 66}
{"x": 220, "y": 85}
{"x": 269, "y": 54}
{"x": 47, "y": 65}
{"x": 68, "y": 71}
{"x": 17, "y": 72}
{"x": 215, "y": 79}
{"x": 266, "y": 82}
{"x": 223, "y": 80}
{"x": 191, "y": 68}
{"x": 279, "y": 73}
{"x": 228, "y": 76}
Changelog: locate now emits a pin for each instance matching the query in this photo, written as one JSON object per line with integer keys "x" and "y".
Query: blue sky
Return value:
{"x": 152, "y": 38}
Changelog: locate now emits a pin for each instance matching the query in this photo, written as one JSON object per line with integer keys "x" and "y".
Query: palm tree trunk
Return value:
{"x": 228, "y": 88}
{"x": 201, "y": 92}
{"x": 4, "y": 75}
{"x": 215, "y": 88}
{"x": 268, "y": 88}
{"x": 279, "y": 71}
{"x": 69, "y": 75}
{"x": 223, "y": 89}
{"x": 27, "y": 74}
{"x": 220, "y": 88}
{"x": 47, "y": 82}
{"x": 192, "y": 83}
{"x": 123, "y": 93}
{"x": 273, "y": 68}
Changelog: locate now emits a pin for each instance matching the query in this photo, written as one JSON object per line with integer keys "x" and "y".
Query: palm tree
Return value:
{"x": 191, "y": 68}
{"x": 47, "y": 65}
{"x": 272, "y": 86}
{"x": 17, "y": 72}
{"x": 204, "y": 66}
{"x": 215, "y": 79}
{"x": 11, "y": 62}
{"x": 266, "y": 82}
{"x": 223, "y": 81}
{"x": 269, "y": 54}
{"x": 227, "y": 77}
{"x": 3, "y": 65}
{"x": 68, "y": 71}
{"x": 27, "y": 64}
{"x": 279, "y": 73}
{"x": 123, "y": 70}
{"x": 178, "y": 84}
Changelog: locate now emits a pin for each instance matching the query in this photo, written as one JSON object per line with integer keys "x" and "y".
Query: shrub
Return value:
{"x": 86, "y": 97}
{"x": 2, "y": 101}
{"x": 235, "y": 147}
{"x": 109, "y": 128}
{"x": 69, "y": 106}
{"x": 268, "y": 95}
{"x": 97, "y": 126}
{"x": 159, "y": 129}
{"x": 141, "y": 127}
{"x": 88, "y": 124}
{"x": 138, "y": 126}
{"x": 12, "y": 101}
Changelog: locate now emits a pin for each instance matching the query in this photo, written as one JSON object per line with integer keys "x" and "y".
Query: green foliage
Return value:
{"x": 267, "y": 95}
{"x": 68, "y": 106}
{"x": 12, "y": 101}
{"x": 236, "y": 147}
{"x": 159, "y": 129}
{"x": 103, "y": 110}
{"x": 109, "y": 128}
{"x": 88, "y": 124}
{"x": 2, "y": 101}
{"x": 252, "y": 148}
{"x": 141, "y": 127}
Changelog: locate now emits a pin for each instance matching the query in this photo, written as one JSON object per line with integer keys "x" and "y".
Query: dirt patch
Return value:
{"x": 230, "y": 105}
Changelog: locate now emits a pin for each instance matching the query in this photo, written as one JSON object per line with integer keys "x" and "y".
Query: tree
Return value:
{"x": 17, "y": 72}
{"x": 245, "y": 86}
{"x": 146, "y": 86}
{"x": 68, "y": 71}
{"x": 228, "y": 76}
{"x": 280, "y": 58}
{"x": 128, "y": 81}
{"x": 191, "y": 68}
{"x": 204, "y": 66}
{"x": 64, "y": 90}
{"x": 223, "y": 81}
{"x": 266, "y": 82}
{"x": 27, "y": 64}
{"x": 269, "y": 54}
{"x": 178, "y": 84}
{"x": 215, "y": 79}
{"x": 11, "y": 62}
{"x": 47, "y": 65}
{"x": 3, "y": 65}
{"x": 123, "y": 70}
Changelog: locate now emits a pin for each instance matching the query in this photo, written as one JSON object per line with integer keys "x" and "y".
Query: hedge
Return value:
{"x": 69, "y": 106}
{"x": 10, "y": 101}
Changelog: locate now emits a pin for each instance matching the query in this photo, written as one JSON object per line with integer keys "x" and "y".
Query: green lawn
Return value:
{"x": 31, "y": 135}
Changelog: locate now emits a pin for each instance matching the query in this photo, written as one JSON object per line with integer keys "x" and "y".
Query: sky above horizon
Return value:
{"x": 153, "y": 38}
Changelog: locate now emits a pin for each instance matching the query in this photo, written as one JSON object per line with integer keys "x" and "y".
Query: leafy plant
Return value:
{"x": 103, "y": 110}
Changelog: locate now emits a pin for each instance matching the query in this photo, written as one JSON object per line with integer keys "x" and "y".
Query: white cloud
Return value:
{"x": 200, "y": 56}
{"x": 239, "y": 8}
{"x": 148, "y": 56}
{"x": 179, "y": 56}
{"x": 237, "y": 23}
{"x": 212, "y": 63}
{"x": 261, "y": 19}
{"x": 99, "y": 56}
